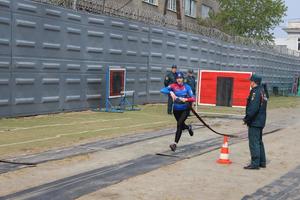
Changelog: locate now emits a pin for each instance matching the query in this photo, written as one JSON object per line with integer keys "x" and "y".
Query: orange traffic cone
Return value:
{"x": 224, "y": 156}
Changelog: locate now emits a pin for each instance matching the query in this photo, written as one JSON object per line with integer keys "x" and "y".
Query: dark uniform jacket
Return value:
{"x": 169, "y": 79}
{"x": 256, "y": 108}
{"x": 190, "y": 80}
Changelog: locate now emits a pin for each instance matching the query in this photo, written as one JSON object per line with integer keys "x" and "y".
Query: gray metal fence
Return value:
{"x": 126, "y": 9}
{"x": 54, "y": 59}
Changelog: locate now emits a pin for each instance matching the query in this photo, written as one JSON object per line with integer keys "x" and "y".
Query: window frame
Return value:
{"x": 191, "y": 10}
{"x": 155, "y": 2}
{"x": 209, "y": 10}
{"x": 172, "y": 3}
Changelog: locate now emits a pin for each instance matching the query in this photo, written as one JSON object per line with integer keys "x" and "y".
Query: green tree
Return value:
{"x": 248, "y": 18}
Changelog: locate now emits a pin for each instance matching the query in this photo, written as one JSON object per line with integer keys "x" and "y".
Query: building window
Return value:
{"x": 298, "y": 44}
{"x": 205, "y": 10}
{"x": 172, "y": 5}
{"x": 190, "y": 8}
{"x": 153, "y": 2}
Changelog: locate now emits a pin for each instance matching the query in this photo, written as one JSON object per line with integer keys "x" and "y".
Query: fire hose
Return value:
{"x": 207, "y": 126}
{"x": 18, "y": 163}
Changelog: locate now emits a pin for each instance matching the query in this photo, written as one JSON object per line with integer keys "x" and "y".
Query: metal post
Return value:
{"x": 107, "y": 89}
{"x": 197, "y": 90}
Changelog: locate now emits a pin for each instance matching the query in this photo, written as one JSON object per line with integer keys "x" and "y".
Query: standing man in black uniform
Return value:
{"x": 169, "y": 79}
{"x": 191, "y": 81}
{"x": 256, "y": 119}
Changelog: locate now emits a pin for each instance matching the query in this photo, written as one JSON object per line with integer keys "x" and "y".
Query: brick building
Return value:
{"x": 191, "y": 9}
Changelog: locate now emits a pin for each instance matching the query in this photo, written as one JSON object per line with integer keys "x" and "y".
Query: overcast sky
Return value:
{"x": 293, "y": 12}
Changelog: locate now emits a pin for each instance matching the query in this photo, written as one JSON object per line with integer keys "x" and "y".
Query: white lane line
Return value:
{"x": 213, "y": 113}
{"x": 69, "y": 124}
{"x": 81, "y": 132}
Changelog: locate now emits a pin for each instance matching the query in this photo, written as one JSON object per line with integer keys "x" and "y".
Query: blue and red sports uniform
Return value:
{"x": 181, "y": 91}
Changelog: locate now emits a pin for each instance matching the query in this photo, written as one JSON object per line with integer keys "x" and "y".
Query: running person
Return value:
{"x": 182, "y": 96}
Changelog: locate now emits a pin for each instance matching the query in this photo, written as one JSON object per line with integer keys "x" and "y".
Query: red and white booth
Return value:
{"x": 223, "y": 88}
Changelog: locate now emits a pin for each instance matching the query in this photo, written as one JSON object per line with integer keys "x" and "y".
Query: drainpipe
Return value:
{"x": 74, "y": 4}
{"x": 179, "y": 11}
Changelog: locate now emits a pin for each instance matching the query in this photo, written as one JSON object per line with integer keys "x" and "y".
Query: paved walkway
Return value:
{"x": 286, "y": 187}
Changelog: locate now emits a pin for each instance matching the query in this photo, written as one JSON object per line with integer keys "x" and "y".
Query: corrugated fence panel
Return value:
{"x": 5, "y": 58}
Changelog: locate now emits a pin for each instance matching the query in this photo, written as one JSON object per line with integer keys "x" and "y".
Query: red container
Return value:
{"x": 215, "y": 86}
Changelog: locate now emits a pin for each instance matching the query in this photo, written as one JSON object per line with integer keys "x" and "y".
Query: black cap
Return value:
{"x": 190, "y": 71}
{"x": 174, "y": 66}
{"x": 179, "y": 75}
{"x": 255, "y": 78}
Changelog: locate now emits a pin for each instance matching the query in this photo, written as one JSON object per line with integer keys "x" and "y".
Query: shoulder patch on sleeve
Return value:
{"x": 167, "y": 78}
{"x": 253, "y": 96}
